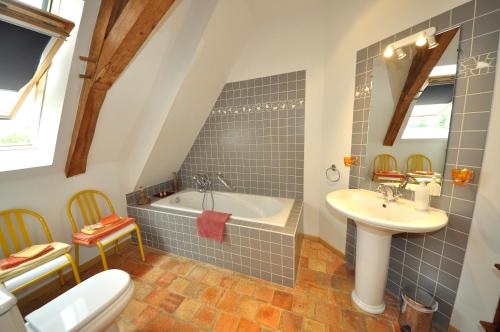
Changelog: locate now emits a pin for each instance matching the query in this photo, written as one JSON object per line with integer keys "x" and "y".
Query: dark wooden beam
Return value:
{"x": 422, "y": 64}
{"x": 114, "y": 48}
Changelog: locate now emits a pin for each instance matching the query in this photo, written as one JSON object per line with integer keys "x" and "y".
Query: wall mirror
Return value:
{"x": 411, "y": 107}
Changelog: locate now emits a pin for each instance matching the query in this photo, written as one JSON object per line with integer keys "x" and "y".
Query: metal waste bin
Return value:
{"x": 417, "y": 308}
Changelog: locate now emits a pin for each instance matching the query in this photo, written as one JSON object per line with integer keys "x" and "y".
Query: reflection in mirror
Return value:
{"x": 419, "y": 148}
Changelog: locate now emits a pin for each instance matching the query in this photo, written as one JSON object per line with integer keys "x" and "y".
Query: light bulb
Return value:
{"x": 389, "y": 51}
{"x": 432, "y": 41}
{"x": 421, "y": 41}
{"x": 400, "y": 53}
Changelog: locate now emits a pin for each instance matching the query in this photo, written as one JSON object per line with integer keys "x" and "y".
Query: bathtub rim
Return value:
{"x": 284, "y": 213}
{"x": 289, "y": 229}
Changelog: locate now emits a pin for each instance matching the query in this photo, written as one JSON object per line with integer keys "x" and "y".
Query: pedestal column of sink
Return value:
{"x": 372, "y": 262}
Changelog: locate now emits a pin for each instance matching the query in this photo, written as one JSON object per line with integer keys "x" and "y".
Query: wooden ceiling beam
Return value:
{"x": 114, "y": 44}
{"x": 422, "y": 64}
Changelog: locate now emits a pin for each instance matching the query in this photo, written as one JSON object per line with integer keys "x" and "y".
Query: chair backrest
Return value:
{"x": 385, "y": 162}
{"x": 88, "y": 207}
{"x": 418, "y": 162}
{"x": 13, "y": 221}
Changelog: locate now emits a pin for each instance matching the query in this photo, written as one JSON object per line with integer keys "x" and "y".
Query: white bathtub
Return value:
{"x": 253, "y": 208}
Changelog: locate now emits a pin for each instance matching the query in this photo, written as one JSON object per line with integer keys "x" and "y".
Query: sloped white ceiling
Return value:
{"x": 182, "y": 98}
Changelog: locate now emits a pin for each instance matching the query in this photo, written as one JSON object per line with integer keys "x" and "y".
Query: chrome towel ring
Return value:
{"x": 332, "y": 173}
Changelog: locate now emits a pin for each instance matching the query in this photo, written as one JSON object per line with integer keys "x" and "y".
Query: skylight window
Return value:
{"x": 30, "y": 37}
{"x": 431, "y": 121}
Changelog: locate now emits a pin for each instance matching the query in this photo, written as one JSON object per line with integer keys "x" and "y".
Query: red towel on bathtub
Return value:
{"x": 211, "y": 224}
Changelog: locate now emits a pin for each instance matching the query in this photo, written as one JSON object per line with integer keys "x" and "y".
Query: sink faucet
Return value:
{"x": 390, "y": 193}
{"x": 220, "y": 178}
{"x": 203, "y": 181}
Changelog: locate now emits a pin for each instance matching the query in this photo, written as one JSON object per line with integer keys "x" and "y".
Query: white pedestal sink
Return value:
{"x": 376, "y": 222}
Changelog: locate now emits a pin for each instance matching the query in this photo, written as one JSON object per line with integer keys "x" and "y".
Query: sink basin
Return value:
{"x": 376, "y": 221}
{"x": 369, "y": 208}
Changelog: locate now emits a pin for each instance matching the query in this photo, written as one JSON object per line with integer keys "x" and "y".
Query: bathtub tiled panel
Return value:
{"x": 257, "y": 252}
{"x": 255, "y": 136}
{"x": 434, "y": 261}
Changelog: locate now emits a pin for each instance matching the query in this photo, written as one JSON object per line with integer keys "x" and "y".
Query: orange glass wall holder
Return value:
{"x": 461, "y": 176}
{"x": 351, "y": 160}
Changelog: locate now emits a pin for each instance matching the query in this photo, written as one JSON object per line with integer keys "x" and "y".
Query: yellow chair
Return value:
{"x": 16, "y": 217}
{"x": 418, "y": 162}
{"x": 384, "y": 162}
{"x": 91, "y": 213}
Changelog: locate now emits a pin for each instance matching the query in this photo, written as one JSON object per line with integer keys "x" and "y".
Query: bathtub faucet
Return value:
{"x": 203, "y": 181}
{"x": 220, "y": 178}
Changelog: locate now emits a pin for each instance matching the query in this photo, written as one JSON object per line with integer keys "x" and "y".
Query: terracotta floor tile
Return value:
{"x": 205, "y": 316}
{"x": 328, "y": 313}
{"x": 181, "y": 326}
{"x": 310, "y": 325}
{"x": 378, "y": 325}
{"x": 228, "y": 282}
{"x": 317, "y": 265}
{"x": 226, "y": 323}
{"x": 194, "y": 289}
{"x": 146, "y": 316}
{"x": 171, "y": 302}
{"x": 151, "y": 275}
{"x": 283, "y": 300}
{"x": 352, "y": 320}
{"x": 177, "y": 294}
{"x": 160, "y": 323}
{"x": 268, "y": 315}
{"x": 178, "y": 285}
{"x": 340, "y": 298}
{"x": 211, "y": 295}
{"x": 142, "y": 289}
{"x": 187, "y": 309}
{"x": 165, "y": 279}
{"x": 247, "y": 326}
{"x": 198, "y": 273}
{"x": 133, "y": 310}
{"x": 245, "y": 287}
{"x": 248, "y": 307}
{"x": 290, "y": 322}
{"x": 263, "y": 293}
{"x": 229, "y": 301}
{"x": 156, "y": 296}
{"x": 302, "y": 306}
{"x": 213, "y": 278}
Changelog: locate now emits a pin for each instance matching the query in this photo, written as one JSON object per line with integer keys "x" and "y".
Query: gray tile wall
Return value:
{"x": 132, "y": 197}
{"x": 434, "y": 261}
{"x": 254, "y": 251}
{"x": 255, "y": 136}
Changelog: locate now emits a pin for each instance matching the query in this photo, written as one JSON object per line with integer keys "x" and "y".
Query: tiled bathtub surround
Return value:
{"x": 254, "y": 135}
{"x": 434, "y": 261}
{"x": 132, "y": 197}
{"x": 263, "y": 251}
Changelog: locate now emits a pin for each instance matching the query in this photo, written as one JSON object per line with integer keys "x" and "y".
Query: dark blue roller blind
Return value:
{"x": 20, "y": 53}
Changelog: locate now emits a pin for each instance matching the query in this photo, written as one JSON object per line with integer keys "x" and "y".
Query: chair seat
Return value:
{"x": 113, "y": 236}
{"x": 36, "y": 272}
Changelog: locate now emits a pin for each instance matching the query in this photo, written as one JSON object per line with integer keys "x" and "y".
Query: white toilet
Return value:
{"x": 92, "y": 305}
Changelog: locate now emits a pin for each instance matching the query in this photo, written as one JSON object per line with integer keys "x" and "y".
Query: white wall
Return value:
{"x": 479, "y": 288}
{"x": 46, "y": 189}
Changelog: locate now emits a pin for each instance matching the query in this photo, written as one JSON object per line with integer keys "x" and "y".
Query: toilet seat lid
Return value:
{"x": 79, "y": 305}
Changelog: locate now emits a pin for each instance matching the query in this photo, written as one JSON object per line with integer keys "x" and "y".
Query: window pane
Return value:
{"x": 23, "y": 128}
{"x": 42, "y": 4}
{"x": 428, "y": 121}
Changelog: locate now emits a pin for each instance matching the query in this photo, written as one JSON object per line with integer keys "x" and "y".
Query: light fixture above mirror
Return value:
{"x": 420, "y": 39}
